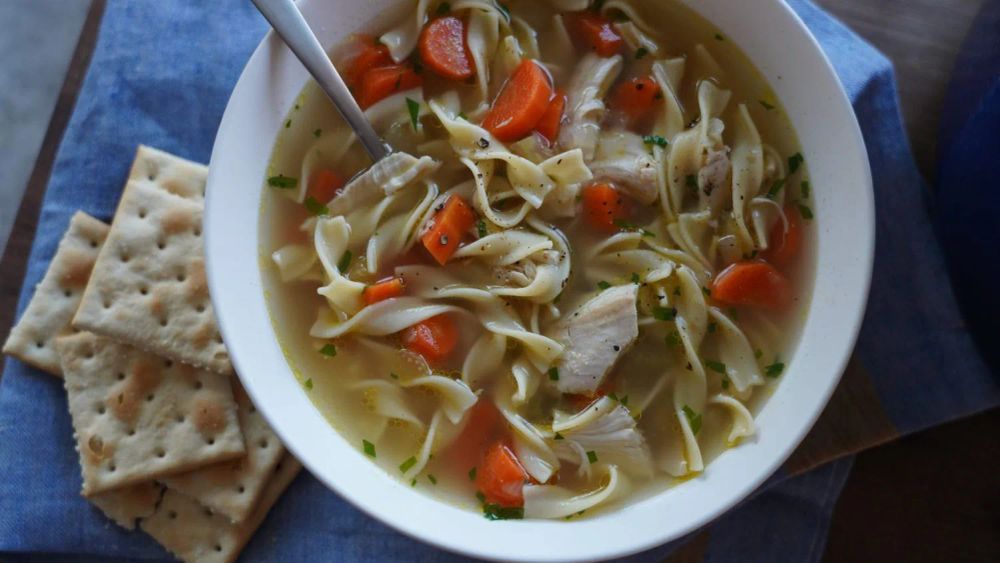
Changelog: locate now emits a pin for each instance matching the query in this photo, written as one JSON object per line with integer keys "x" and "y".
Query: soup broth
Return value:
{"x": 533, "y": 322}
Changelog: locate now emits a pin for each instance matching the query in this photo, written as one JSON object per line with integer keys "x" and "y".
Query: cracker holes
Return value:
{"x": 39, "y": 344}
{"x": 172, "y": 514}
{"x": 120, "y": 376}
{"x": 241, "y": 489}
{"x": 218, "y": 547}
{"x": 101, "y": 409}
{"x": 144, "y": 290}
{"x": 207, "y": 511}
{"x": 131, "y": 431}
{"x": 182, "y": 277}
{"x": 93, "y": 243}
{"x": 210, "y": 441}
{"x": 277, "y": 467}
{"x": 168, "y": 364}
{"x": 163, "y": 321}
{"x": 67, "y": 292}
{"x": 161, "y": 244}
{"x": 124, "y": 257}
{"x": 180, "y": 419}
{"x": 198, "y": 384}
{"x": 150, "y": 397}
{"x": 200, "y": 308}
{"x": 263, "y": 443}
{"x": 152, "y": 177}
{"x": 107, "y": 304}
{"x": 197, "y": 231}
{"x": 112, "y": 467}
{"x": 161, "y": 453}
{"x": 142, "y": 213}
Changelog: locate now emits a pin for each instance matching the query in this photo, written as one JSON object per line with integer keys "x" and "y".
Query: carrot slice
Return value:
{"x": 385, "y": 289}
{"x": 501, "y": 477}
{"x": 434, "y": 338}
{"x": 380, "y": 83}
{"x": 482, "y": 427}
{"x": 443, "y": 48}
{"x": 370, "y": 54}
{"x": 551, "y": 121}
{"x": 635, "y": 98}
{"x": 521, "y": 103}
{"x": 324, "y": 184}
{"x": 755, "y": 283}
{"x": 447, "y": 229}
{"x": 784, "y": 246}
{"x": 603, "y": 206}
{"x": 596, "y": 33}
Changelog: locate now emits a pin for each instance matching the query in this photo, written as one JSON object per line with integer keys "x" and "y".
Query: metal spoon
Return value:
{"x": 287, "y": 21}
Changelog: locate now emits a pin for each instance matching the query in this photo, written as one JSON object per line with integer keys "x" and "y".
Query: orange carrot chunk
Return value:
{"x": 501, "y": 477}
{"x": 551, "y": 121}
{"x": 482, "y": 427}
{"x": 636, "y": 98}
{"x": 385, "y": 289}
{"x": 443, "y": 48}
{"x": 603, "y": 206}
{"x": 784, "y": 246}
{"x": 521, "y": 103}
{"x": 380, "y": 83}
{"x": 447, "y": 229}
{"x": 368, "y": 55}
{"x": 434, "y": 338}
{"x": 324, "y": 184}
{"x": 596, "y": 33}
{"x": 756, "y": 283}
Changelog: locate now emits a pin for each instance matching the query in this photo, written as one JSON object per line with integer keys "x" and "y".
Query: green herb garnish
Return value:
{"x": 406, "y": 465}
{"x": 693, "y": 418}
{"x": 432, "y": 479}
{"x": 328, "y": 350}
{"x": 472, "y": 474}
{"x": 497, "y": 512}
{"x": 804, "y": 189}
{"x": 715, "y": 366}
{"x": 602, "y": 285}
{"x": 641, "y": 52}
{"x": 712, "y": 326}
{"x": 481, "y": 229}
{"x": 368, "y": 447}
{"x": 345, "y": 261}
{"x": 309, "y": 383}
{"x": 413, "y": 107}
{"x": 480, "y": 496}
{"x": 775, "y": 188}
{"x": 758, "y": 353}
{"x": 504, "y": 9}
{"x": 393, "y": 375}
{"x": 553, "y": 374}
{"x": 282, "y": 182}
{"x": 674, "y": 339}
{"x": 632, "y": 227}
{"x": 691, "y": 181}
{"x": 725, "y": 382}
{"x": 413, "y": 482}
{"x": 719, "y": 37}
{"x": 288, "y": 123}
{"x": 794, "y": 162}
{"x": 558, "y": 436}
{"x": 766, "y": 105}
{"x": 635, "y": 278}
{"x": 775, "y": 369}
{"x": 657, "y": 140}
{"x": 317, "y": 133}
{"x": 462, "y": 115}
{"x": 592, "y": 456}
{"x": 443, "y": 8}
{"x": 706, "y": 291}
{"x": 807, "y": 213}
{"x": 664, "y": 313}
{"x": 315, "y": 207}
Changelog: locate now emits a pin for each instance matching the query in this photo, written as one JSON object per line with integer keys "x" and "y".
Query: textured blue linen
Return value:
{"x": 161, "y": 75}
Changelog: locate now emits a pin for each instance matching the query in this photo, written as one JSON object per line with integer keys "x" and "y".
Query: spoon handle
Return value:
{"x": 288, "y": 23}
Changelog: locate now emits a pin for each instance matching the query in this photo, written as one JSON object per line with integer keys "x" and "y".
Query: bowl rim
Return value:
{"x": 421, "y": 516}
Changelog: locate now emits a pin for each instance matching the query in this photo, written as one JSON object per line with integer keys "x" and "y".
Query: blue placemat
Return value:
{"x": 161, "y": 74}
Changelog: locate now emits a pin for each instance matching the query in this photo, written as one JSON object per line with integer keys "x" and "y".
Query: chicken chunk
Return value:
{"x": 585, "y": 105}
{"x": 595, "y": 336}
{"x": 623, "y": 158}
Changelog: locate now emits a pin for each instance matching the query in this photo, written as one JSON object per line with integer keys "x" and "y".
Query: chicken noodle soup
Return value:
{"x": 578, "y": 278}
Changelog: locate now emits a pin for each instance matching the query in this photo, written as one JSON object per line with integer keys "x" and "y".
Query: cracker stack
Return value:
{"x": 167, "y": 438}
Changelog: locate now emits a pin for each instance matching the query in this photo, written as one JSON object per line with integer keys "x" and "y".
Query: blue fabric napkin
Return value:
{"x": 161, "y": 74}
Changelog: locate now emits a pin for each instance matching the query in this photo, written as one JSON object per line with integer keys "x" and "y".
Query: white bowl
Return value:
{"x": 776, "y": 40}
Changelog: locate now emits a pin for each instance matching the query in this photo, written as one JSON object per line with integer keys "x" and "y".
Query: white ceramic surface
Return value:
{"x": 777, "y": 42}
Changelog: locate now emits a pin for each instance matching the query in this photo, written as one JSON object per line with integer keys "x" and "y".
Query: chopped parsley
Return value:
{"x": 288, "y": 123}
{"x": 758, "y": 353}
{"x": 592, "y": 456}
{"x": 635, "y": 278}
{"x": 328, "y": 350}
{"x": 472, "y": 474}
{"x": 413, "y": 107}
{"x": 309, "y": 383}
{"x": 602, "y": 285}
{"x": 719, "y": 37}
{"x": 558, "y": 436}
{"x": 462, "y": 115}
{"x": 725, "y": 382}
{"x": 641, "y": 52}
{"x": 706, "y": 291}
{"x": 413, "y": 482}
{"x": 504, "y": 10}
{"x": 804, "y": 189}
{"x": 766, "y": 105}
{"x": 664, "y": 313}
{"x": 345, "y": 261}
{"x": 674, "y": 339}
{"x": 677, "y": 291}
{"x": 368, "y": 447}
{"x": 794, "y": 162}
{"x": 481, "y": 229}
{"x": 553, "y": 374}
{"x": 712, "y": 326}
{"x": 657, "y": 140}
{"x": 497, "y": 512}
{"x": 807, "y": 213}
{"x": 481, "y": 496}
{"x": 406, "y": 465}
{"x": 317, "y": 133}
{"x": 282, "y": 182}
{"x": 315, "y": 207}
{"x": 693, "y": 418}
{"x": 443, "y": 8}
{"x": 393, "y": 375}
{"x": 715, "y": 366}
{"x": 432, "y": 479}
{"x": 632, "y": 227}
{"x": 775, "y": 188}
{"x": 775, "y": 369}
